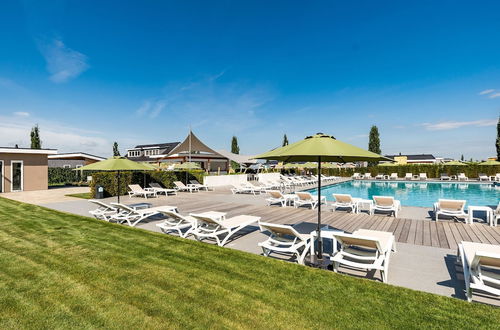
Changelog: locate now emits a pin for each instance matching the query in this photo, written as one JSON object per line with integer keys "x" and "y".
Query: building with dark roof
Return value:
{"x": 414, "y": 159}
{"x": 73, "y": 159}
{"x": 192, "y": 149}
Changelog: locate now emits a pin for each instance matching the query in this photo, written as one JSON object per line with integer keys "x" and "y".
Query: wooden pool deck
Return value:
{"x": 443, "y": 234}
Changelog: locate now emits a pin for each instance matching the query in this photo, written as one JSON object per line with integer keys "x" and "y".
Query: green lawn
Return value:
{"x": 86, "y": 195}
{"x": 64, "y": 271}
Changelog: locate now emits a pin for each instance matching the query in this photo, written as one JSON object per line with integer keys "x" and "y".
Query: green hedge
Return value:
{"x": 58, "y": 175}
{"x": 432, "y": 171}
{"x": 109, "y": 180}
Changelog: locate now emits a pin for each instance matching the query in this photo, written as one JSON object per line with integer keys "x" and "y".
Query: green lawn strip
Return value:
{"x": 59, "y": 270}
{"x": 86, "y": 195}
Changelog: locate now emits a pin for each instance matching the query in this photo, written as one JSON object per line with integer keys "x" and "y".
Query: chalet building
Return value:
{"x": 414, "y": 159}
{"x": 191, "y": 149}
{"x": 73, "y": 160}
{"x": 23, "y": 169}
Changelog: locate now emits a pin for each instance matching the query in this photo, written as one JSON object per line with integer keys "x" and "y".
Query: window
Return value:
{"x": 16, "y": 174}
{"x": 134, "y": 153}
{"x": 78, "y": 166}
{"x": 66, "y": 166}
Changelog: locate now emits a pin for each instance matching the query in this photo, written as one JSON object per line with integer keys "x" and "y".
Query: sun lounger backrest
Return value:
{"x": 195, "y": 182}
{"x": 304, "y": 195}
{"x": 486, "y": 259}
{"x": 451, "y": 205}
{"x": 275, "y": 193}
{"x": 279, "y": 230}
{"x": 155, "y": 185}
{"x": 384, "y": 200}
{"x": 179, "y": 184}
{"x": 206, "y": 219}
{"x": 174, "y": 215}
{"x": 360, "y": 241}
{"x": 124, "y": 207}
{"x": 343, "y": 198}
{"x": 101, "y": 204}
{"x": 135, "y": 187}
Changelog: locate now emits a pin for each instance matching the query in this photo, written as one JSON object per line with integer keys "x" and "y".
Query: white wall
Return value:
{"x": 224, "y": 180}
{"x": 269, "y": 176}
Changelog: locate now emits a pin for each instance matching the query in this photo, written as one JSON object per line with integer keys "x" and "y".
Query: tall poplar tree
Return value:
{"x": 285, "y": 140}
{"x": 116, "y": 152}
{"x": 36, "y": 143}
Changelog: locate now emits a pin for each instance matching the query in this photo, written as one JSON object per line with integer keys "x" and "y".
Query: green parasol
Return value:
{"x": 116, "y": 164}
{"x": 321, "y": 148}
{"x": 454, "y": 163}
{"x": 489, "y": 162}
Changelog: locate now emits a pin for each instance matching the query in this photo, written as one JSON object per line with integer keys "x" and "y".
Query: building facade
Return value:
{"x": 24, "y": 169}
{"x": 72, "y": 160}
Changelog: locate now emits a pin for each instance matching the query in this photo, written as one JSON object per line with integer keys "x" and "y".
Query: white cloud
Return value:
{"x": 61, "y": 136}
{"x": 22, "y": 114}
{"x": 494, "y": 95}
{"x": 144, "y": 108}
{"x": 486, "y": 91}
{"x": 63, "y": 63}
{"x": 151, "y": 108}
{"x": 157, "y": 109}
{"x": 447, "y": 125}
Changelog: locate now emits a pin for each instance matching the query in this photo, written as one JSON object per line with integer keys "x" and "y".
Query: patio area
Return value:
{"x": 426, "y": 256}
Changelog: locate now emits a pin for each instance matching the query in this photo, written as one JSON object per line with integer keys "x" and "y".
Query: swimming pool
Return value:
{"x": 423, "y": 194}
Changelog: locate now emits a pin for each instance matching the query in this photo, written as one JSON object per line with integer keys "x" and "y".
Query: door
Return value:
{"x": 16, "y": 168}
{"x": 1, "y": 176}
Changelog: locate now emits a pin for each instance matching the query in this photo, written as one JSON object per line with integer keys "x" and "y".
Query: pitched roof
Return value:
{"x": 194, "y": 145}
{"x": 414, "y": 157}
{"x": 76, "y": 154}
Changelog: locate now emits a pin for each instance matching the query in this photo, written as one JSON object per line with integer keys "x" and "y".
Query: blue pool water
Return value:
{"x": 423, "y": 194}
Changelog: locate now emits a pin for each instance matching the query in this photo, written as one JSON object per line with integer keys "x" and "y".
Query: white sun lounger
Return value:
{"x": 276, "y": 197}
{"x": 483, "y": 177}
{"x": 133, "y": 216}
{"x": 356, "y": 176}
{"x": 182, "y": 187}
{"x": 305, "y": 198}
{"x": 177, "y": 222}
{"x": 365, "y": 249}
{"x": 345, "y": 201}
{"x": 495, "y": 177}
{"x": 195, "y": 183}
{"x": 379, "y": 176}
{"x": 136, "y": 190}
{"x": 103, "y": 211}
{"x": 496, "y": 216}
{"x": 422, "y": 176}
{"x": 408, "y": 176}
{"x": 285, "y": 239}
{"x": 154, "y": 186}
{"x": 481, "y": 265}
{"x": 368, "y": 176}
{"x": 444, "y": 177}
{"x": 394, "y": 176}
{"x": 386, "y": 204}
{"x": 213, "y": 227}
{"x": 461, "y": 176}
{"x": 244, "y": 189}
{"x": 450, "y": 207}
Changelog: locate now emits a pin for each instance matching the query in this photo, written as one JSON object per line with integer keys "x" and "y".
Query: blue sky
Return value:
{"x": 427, "y": 73}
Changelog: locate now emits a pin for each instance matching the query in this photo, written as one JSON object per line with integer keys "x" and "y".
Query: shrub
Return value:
{"x": 58, "y": 175}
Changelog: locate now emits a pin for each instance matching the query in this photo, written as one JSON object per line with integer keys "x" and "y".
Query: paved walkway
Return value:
{"x": 52, "y": 195}
{"x": 425, "y": 263}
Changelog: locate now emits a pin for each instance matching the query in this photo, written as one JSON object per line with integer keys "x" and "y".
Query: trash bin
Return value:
{"x": 99, "y": 192}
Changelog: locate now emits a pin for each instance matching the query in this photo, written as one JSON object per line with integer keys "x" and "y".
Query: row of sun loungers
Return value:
{"x": 363, "y": 249}
{"x": 423, "y": 176}
{"x": 155, "y": 189}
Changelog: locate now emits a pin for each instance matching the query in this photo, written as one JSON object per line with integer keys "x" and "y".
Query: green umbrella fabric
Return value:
{"x": 490, "y": 162}
{"x": 454, "y": 163}
{"x": 116, "y": 163}
{"x": 324, "y": 146}
{"x": 310, "y": 165}
{"x": 187, "y": 166}
{"x": 291, "y": 165}
{"x": 321, "y": 148}
{"x": 329, "y": 165}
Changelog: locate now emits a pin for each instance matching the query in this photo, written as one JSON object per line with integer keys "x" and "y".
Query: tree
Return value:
{"x": 285, "y": 141}
{"x": 36, "y": 143}
{"x": 498, "y": 139}
{"x": 234, "y": 145}
{"x": 374, "y": 141}
{"x": 462, "y": 158}
{"x": 235, "y": 149}
{"x": 116, "y": 152}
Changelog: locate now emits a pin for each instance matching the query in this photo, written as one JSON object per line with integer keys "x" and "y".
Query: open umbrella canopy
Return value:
{"x": 321, "y": 148}
{"x": 454, "y": 163}
{"x": 310, "y": 165}
{"x": 116, "y": 163}
{"x": 490, "y": 162}
{"x": 187, "y": 166}
{"x": 291, "y": 165}
{"x": 324, "y": 146}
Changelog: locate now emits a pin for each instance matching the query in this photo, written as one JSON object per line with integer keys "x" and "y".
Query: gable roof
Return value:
{"x": 193, "y": 144}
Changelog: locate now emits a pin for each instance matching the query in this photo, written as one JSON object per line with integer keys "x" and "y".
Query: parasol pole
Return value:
{"x": 319, "y": 252}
